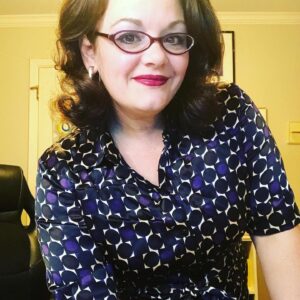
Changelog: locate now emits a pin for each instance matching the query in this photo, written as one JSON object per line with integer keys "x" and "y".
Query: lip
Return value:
{"x": 151, "y": 80}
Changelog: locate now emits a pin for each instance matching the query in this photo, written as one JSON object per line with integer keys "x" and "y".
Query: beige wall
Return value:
{"x": 267, "y": 67}
{"x": 18, "y": 46}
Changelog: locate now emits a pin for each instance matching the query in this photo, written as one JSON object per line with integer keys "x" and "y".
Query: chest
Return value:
{"x": 197, "y": 210}
{"x": 143, "y": 157}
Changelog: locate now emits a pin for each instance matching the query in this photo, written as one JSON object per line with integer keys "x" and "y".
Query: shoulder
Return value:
{"x": 78, "y": 150}
{"x": 233, "y": 98}
{"x": 238, "y": 110}
{"x": 241, "y": 125}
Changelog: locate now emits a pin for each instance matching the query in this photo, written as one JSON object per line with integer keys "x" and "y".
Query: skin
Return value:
{"x": 279, "y": 255}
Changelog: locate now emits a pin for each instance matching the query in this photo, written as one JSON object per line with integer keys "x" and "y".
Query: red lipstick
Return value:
{"x": 151, "y": 80}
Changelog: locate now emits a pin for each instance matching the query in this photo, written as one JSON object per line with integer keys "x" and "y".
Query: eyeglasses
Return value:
{"x": 132, "y": 41}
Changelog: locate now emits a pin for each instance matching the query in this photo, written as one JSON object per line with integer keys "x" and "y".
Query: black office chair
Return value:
{"x": 22, "y": 271}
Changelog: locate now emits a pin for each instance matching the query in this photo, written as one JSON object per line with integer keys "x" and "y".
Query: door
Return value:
{"x": 43, "y": 88}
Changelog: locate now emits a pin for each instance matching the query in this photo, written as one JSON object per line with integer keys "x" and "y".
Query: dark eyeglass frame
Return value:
{"x": 152, "y": 39}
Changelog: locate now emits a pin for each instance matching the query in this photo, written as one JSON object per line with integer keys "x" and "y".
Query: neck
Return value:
{"x": 133, "y": 125}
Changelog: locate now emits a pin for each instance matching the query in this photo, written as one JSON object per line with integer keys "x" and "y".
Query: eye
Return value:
{"x": 175, "y": 39}
{"x": 128, "y": 37}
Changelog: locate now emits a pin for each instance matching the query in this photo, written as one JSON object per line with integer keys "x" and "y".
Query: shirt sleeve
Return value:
{"x": 269, "y": 198}
{"x": 75, "y": 266}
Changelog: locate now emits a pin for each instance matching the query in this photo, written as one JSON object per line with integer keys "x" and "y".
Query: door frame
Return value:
{"x": 35, "y": 65}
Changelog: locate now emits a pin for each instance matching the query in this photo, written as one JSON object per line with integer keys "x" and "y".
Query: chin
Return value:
{"x": 153, "y": 104}
{"x": 152, "y": 109}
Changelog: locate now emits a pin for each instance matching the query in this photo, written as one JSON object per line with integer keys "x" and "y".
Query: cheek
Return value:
{"x": 180, "y": 68}
{"x": 184, "y": 64}
{"x": 113, "y": 64}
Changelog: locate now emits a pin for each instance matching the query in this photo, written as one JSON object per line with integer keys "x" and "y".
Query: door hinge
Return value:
{"x": 36, "y": 88}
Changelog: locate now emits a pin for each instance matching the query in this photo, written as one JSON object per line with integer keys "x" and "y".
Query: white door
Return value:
{"x": 48, "y": 88}
{"x": 43, "y": 87}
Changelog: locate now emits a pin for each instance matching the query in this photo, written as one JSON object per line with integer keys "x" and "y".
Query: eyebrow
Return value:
{"x": 139, "y": 22}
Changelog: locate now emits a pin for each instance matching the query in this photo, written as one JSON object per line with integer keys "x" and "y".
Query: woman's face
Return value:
{"x": 126, "y": 76}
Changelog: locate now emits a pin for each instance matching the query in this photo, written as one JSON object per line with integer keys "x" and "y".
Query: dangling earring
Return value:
{"x": 91, "y": 72}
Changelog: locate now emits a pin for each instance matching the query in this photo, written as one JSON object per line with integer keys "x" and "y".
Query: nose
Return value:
{"x": 155, "y": 54}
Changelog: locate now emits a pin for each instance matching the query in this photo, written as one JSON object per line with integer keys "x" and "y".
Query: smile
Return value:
{"x": 151, "y": 80}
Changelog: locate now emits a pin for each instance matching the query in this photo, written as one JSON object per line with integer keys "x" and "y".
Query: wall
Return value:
{"x": 18, "y": 46}
{"x": 267, "y": 68}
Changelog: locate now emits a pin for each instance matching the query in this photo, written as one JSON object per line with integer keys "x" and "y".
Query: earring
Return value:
{"x": 91, "y": 72}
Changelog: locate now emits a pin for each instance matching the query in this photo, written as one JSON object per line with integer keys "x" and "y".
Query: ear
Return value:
{"x": 87, "y": 50}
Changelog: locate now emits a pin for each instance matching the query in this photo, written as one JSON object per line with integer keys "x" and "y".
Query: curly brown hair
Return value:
{"x": 86, "y": 103}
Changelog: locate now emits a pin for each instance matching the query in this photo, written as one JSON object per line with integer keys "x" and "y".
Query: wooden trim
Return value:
{"x": 16, "y": 21}
{"x": 252, "y": 18}
{"x": 35, "y": 64}
{"x": 238, "y": 17}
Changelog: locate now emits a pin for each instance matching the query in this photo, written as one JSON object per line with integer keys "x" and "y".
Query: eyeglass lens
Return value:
{"x": 135, "y": 41}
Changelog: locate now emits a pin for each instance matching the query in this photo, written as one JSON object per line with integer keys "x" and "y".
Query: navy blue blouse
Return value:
{"x": 107, "y": 233}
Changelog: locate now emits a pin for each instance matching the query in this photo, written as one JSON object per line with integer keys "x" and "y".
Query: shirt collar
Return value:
{"x": 106, "y": 145}
{"x": 107, "y": 150}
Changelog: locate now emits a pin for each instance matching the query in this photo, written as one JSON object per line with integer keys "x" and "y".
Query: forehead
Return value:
{"x": 147, "y": 13}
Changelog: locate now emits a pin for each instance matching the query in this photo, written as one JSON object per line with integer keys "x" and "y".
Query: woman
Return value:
{"x": 150, "y": 196}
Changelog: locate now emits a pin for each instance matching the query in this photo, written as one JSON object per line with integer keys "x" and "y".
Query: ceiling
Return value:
{"x": 13, "y": 7}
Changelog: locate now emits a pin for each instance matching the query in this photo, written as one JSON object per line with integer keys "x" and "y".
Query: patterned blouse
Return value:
{"x": 107, "y": 233}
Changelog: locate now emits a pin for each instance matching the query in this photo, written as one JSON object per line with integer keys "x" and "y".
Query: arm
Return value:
{"x": 280, "y": 259}
{"x": 76, "y": 266}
